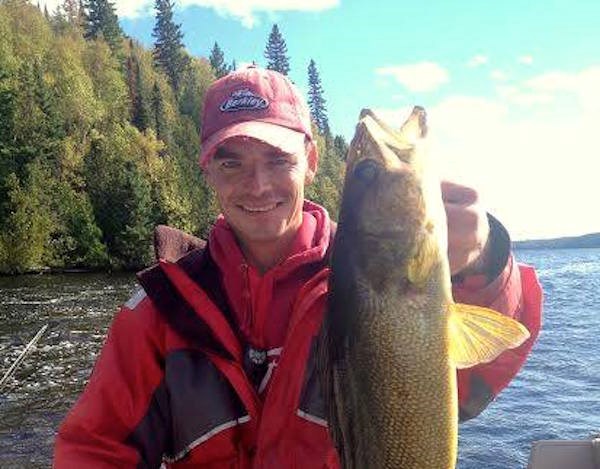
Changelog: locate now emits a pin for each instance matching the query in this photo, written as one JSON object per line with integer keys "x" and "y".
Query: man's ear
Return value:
{"x": 312, "y": 155}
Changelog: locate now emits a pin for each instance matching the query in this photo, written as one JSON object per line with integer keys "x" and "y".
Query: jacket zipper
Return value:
{"x": 247, "y": 299}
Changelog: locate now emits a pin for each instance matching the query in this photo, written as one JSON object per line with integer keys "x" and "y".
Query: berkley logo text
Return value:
{"x": 244, "y": 100}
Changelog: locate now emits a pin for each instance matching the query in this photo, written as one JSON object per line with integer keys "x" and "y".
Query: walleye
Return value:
{"x": 393, "y": 337}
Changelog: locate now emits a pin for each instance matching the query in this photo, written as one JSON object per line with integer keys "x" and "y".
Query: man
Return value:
{"x": 212, "y": 365}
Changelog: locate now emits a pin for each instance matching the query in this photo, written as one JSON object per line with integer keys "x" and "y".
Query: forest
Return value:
{"x": 99, "y": 136}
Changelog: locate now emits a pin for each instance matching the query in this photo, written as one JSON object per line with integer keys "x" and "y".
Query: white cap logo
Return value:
{"x": 244, "y": 100}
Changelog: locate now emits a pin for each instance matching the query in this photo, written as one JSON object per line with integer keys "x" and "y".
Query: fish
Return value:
{"x": 392, "y": 336}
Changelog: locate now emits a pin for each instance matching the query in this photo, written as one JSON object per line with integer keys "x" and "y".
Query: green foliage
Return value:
{"x": 76, "y": 239}
{"x": 196, "y": 80}
{"x": 101, "y": 22}
{"x": 217, "y": 61}
{"x": 316, "y": 101}
{"x": 158, "y": 113}
{"x": 340, "y": 147}
{"x": 276, "y": 52}
{"x": 327, "y": 187}
{"x": 27, "y": 227}
{"x": 120, "y": 193}
{"x": 140, "y": 112}
{"x": 98, "y": 145}
{"x": 169, "y": 52}
{"x": 107, "y": 77}
{"x": 69, "y": 74}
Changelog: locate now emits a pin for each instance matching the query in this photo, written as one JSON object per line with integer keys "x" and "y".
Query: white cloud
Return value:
{"x": 419, "y": 77}
{"x": 246, "y": 10}
{"x": 517, "y": 95}
{"x": 243, "y": 10}
{"x": 537, "y": 173}
{"x": 583, "y": 85}
{"x": 535, "y": 169}
{"x": 499, "y": 75}
{"x": 525, "y": 59}
{"x": 124, "y": 8}
{"x": 477, "y": 61}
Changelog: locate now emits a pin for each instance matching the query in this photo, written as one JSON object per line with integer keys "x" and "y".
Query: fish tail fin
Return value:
{"x": 480, "y": 335}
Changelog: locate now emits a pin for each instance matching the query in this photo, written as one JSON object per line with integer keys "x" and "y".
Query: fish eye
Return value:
{"x": 366, "y": 170}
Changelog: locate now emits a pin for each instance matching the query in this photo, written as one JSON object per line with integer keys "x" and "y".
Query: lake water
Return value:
{"x": 556, "y": 395}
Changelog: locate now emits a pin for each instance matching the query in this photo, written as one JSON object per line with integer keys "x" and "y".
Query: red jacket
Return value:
{"x": 211, "y": 368}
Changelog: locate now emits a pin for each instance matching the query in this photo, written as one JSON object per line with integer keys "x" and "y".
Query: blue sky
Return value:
{"x": 512, "y": 88}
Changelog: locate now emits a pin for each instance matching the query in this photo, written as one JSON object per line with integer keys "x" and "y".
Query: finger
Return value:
{"x": 453, "y": 192}
{"x": 463, "y": 222}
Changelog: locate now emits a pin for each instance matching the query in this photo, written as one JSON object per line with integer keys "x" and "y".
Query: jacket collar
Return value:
{"x": 309, "y": 245}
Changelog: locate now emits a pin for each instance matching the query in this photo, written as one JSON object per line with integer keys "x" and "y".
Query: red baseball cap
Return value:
{"x": 257, "y": 103}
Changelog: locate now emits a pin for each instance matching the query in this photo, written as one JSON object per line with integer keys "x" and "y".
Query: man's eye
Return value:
{"x": 230, "y": 164}
{"x": 280, "y": 161}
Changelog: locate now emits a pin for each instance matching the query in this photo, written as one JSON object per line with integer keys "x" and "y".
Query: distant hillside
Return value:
{"x": 591, "y": 240}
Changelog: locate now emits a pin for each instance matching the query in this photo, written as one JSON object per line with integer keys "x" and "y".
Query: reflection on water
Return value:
{"x": 78, "y": 308}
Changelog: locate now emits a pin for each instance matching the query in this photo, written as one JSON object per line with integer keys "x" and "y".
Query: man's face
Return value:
{"x": 260, "y": 188}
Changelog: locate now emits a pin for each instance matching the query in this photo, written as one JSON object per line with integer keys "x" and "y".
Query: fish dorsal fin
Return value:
{"x": 479, "y": 335}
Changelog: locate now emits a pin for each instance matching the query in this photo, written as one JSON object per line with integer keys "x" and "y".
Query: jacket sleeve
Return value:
{"x": 514, "y": 290}
{"x": 100, "y": 430}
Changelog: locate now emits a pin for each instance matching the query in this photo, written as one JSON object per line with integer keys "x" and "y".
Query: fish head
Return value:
{"x": 392, "y": 207}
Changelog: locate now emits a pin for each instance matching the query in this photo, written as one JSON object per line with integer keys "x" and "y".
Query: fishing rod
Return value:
{"x": 20, "y": 358}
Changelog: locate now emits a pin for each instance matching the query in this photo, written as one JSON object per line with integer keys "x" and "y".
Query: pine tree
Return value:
{"x": 233, "y": 66}
{"x": 316, "y": 101}
{"x": 340, "y": 147}
{"x": 158, "y": 113}
{"x": 217, "y": 61}
{"x": 101, "y": 21}
{"x": 139, "y": 112}
{"x": 276, "y": 52}
{"x": 168, "y": 52}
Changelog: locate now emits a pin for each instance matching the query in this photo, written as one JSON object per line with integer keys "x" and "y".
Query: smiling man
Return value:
{"x": 261, "y": 193}
{"x": 212, "y": 363}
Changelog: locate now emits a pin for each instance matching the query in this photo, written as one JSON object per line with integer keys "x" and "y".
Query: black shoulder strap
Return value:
{"x": 172, "y": 306}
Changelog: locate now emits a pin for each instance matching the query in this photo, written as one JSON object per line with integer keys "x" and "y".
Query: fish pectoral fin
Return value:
{"x": 479, "y": 335}
{"x": 421, "y": 264}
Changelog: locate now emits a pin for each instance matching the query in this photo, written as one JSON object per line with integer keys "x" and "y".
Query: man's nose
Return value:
{"x": 258, "y": 180}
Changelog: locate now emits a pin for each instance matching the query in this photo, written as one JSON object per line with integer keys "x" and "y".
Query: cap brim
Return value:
{"x": 283, "y": 138}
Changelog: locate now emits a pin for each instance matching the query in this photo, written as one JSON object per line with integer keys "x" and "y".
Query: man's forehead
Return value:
{"x": 238, "y": 147}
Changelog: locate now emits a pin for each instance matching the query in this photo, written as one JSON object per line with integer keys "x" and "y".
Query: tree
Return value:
{"x": 100, "y": 20}
{"x": 72, "y": 12}
{"x": 27, "y": 228}
{"x": 340, "y": 147}
{"x": 327, "y": 187}
{"x": 120, "y": 194}
{"x": 158, "y": 113}
{"x": 276, "y": 52}
{"x": 316, "y": 101}
{"x": 139, "y": 110}
{"x": 169, "y": 53}
{"x": 217, "y": 61}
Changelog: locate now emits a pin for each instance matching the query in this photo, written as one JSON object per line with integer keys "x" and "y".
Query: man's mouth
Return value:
{"x": 260, "y": 208}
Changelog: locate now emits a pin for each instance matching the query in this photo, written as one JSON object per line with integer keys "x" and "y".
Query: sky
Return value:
{"x": 511, "y": 88}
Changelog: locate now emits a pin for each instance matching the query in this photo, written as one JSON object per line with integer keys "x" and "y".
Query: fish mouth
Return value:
{"x": 391, "y": 148}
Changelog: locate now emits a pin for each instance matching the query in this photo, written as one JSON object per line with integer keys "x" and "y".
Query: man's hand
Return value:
{"x": 468, "y": 228}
